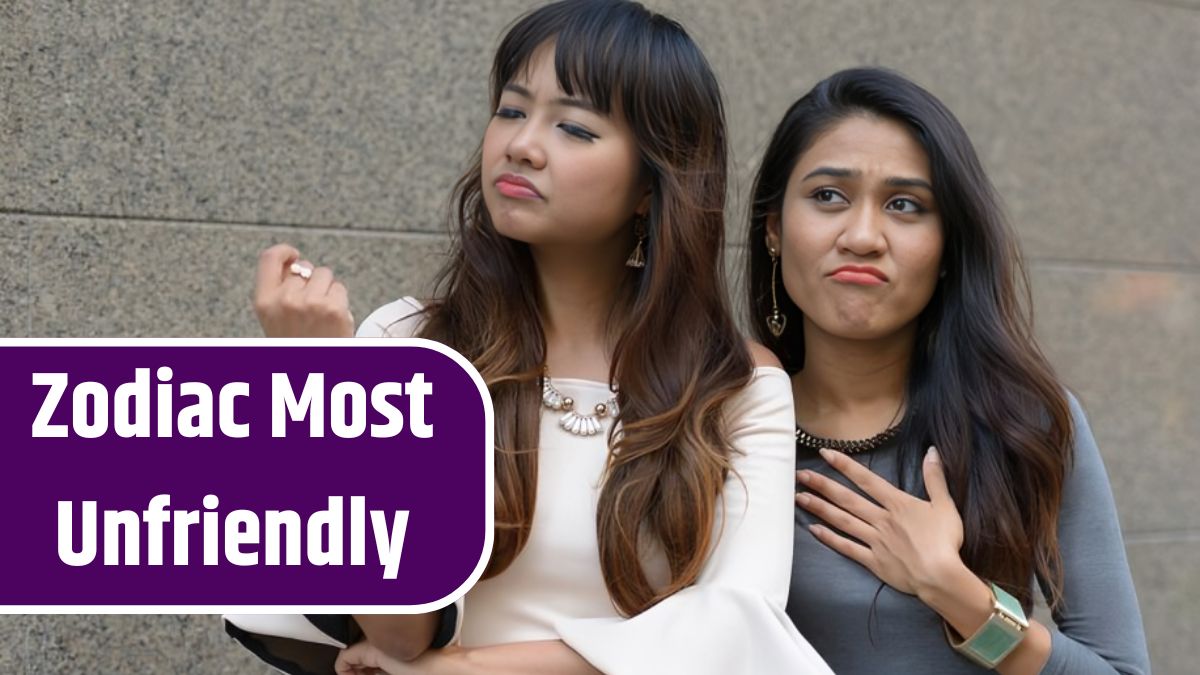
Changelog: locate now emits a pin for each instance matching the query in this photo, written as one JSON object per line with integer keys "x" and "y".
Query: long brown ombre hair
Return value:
{"x": 678, "y": 356}
{"x": 979, "y": 388}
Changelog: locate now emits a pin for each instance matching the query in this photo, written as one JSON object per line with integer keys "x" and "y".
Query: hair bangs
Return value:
{"x": 600, "y": 49}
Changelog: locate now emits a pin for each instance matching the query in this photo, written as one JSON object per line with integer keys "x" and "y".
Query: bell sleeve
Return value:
{"x": 732, "y": 619}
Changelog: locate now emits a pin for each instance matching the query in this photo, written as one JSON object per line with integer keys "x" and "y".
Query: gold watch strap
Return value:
{"x": 998, "y": 636}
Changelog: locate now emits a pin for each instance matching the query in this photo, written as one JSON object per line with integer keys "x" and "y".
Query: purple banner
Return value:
{"x": 213, "y": 475}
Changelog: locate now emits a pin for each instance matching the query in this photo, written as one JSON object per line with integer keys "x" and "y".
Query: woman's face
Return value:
{"x": 858, "y": 231}
{"x": 555, "y": 170}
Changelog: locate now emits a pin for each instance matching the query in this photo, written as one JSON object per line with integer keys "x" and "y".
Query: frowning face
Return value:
{"x": 556, "y": 170}
{"x": 858, "y": 231}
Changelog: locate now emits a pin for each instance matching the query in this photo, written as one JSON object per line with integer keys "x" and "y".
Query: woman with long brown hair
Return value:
{"x": 643, "y": 448}
{"x": 943, "y": 469}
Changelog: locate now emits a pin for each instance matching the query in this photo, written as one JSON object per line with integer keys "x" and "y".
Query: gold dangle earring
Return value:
{"x": 777, "y": 321}
{"x": 637, "y": 259}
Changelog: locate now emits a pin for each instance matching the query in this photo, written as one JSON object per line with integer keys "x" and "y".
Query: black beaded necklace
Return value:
{"x": 807, "y": 440}
{"x": 814, "y": 442}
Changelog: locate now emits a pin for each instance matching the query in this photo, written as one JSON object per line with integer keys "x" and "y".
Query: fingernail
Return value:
{"x": 803, "y": 498}
{"x": 805, "y": 476}
{"x": 826, "y": 453}
{"x": 932, "y": 455}
{"x": 814, "y": 529}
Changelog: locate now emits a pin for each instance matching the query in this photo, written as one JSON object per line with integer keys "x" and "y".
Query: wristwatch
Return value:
{"x": 998, "y": 636}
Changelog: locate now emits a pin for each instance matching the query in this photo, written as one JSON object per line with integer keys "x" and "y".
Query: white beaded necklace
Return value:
{"x": 574, "y": 422}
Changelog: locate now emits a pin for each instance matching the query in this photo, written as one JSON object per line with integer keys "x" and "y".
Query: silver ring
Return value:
{"x": 301, "y": 271}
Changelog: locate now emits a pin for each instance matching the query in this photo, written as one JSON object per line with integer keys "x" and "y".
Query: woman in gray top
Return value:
{"x": 883, "y": 275}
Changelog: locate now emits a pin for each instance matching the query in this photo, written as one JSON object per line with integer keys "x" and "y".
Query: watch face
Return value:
{"x": 996, "y": 638}
{"x": 1009, "y": 608}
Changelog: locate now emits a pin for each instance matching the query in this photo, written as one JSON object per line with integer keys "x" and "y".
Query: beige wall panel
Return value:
{"x": 144, "y": 279}
{"x": 1129, "y": 344}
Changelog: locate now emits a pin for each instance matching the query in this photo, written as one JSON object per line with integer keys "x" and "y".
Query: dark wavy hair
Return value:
{"x": 979, "y": 388}
{"x": 668, "y": 462}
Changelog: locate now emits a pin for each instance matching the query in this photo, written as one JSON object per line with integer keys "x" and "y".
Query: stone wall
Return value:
{"x": 151, "y": 149}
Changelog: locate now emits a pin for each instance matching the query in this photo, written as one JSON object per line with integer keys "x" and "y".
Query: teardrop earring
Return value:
{"x": 637, "y": 259}
{"x": 777, "y": 321}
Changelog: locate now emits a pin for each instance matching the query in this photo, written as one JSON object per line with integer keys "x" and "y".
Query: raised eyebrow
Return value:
{"x": 833, "y": 172}
{"x": 894, "y": 181}
{"x": 909, "y": 182}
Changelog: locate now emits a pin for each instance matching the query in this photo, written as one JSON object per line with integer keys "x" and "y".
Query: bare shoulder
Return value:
{"x": 762, "y": 356}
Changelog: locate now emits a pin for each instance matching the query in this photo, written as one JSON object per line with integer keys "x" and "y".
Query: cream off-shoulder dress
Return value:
{"x": 731, "y": 621}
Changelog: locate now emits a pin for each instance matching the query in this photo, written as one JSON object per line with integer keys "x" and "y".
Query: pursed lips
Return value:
{"x": 859, "y": 275}
{"x": 517, "y": 187}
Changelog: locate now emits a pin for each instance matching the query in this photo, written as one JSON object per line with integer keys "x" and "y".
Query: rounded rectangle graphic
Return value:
{"x": 223, "y": 475}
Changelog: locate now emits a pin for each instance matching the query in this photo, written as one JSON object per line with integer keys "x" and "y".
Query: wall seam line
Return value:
{"x": 300, "y": 227}
{"x": 1112, "y": 265}
{"x": 1167, "y": 3}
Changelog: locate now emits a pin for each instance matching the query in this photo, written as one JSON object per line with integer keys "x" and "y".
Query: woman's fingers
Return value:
{"x": 839, "y": 494}
{"x": 293, "y": 292}
{"x": 340, "y": 297}
{"x": 295, "y": 298}
{"x": 357, "y": 659}
{"x": 935, "y": 478}
{"x": 851, "y": 549}
{"x": 836, "y": 517}
{"x": 273, "y": 264}
{"x": 318, "y": 283}
{"x": 875, "y": 486}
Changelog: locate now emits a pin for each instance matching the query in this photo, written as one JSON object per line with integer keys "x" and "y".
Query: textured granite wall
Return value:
{"x": 150, "y": 149}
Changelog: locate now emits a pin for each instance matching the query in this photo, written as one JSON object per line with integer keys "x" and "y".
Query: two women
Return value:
{"x": 645, "y": 452}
